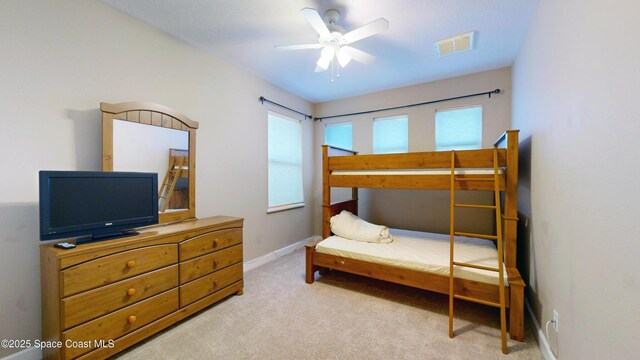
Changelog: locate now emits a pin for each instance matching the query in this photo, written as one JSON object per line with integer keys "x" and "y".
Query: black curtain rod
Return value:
{"x": 263, "y": 100}
{"x": 496, "y": 91}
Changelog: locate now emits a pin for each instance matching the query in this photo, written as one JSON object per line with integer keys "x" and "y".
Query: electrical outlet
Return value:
{"x": 555, "y": 319}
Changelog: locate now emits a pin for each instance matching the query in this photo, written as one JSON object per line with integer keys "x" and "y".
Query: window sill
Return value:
{"x": 284, "y": 207}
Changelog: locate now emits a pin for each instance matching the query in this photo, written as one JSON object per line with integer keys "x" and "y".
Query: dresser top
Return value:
{"x": 152, "y": 235}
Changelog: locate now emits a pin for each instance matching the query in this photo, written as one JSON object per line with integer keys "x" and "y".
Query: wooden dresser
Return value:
{"x": 103, "y": 297}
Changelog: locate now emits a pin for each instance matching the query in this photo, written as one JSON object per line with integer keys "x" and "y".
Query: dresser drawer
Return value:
{"x": 209, "y": 242}
{"x": 209, "y": 284}
{"x": 116, "y": 324}
{"x": 89, "y": 305}
{"x": 198, "y": 267}
{"x": 112, "y": 268}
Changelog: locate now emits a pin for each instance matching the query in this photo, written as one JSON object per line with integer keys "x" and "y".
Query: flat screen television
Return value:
{"x": 96, "y": 204}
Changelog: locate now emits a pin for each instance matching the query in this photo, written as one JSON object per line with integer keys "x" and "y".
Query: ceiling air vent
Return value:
{"x": 455, "y": 44}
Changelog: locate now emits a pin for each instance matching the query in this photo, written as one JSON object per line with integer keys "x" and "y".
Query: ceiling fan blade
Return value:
{"x": 358, "y": 55}
{"x": 372, "y": 28}
{"x": 297, "y": 47}
{"x": 314, "y": 19}
{"x": 319, "y": 69}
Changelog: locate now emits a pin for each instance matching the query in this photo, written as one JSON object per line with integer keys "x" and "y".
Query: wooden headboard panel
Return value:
{"x": 349, "y": 205}
{"x": 334, "y": 209}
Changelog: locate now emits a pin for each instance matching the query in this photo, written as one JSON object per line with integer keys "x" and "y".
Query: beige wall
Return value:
{"x": 410, "y": 209}
{"x": 576, "y": 82}
{"x": 59, "y": 60}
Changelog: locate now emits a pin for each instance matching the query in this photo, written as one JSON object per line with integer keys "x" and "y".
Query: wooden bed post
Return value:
{"x": 354, "y": 196}
{"x": 310, "y": 268}
{"x": 516, "y": 284}
{"x": 326, "y": 193}
{"x": 511, "y": 199}
{"x": 516, "y": 304}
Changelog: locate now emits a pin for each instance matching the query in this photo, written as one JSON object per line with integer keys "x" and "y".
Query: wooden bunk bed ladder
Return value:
{"x": 498, "y": 238}
{"x": 176, "y": 164}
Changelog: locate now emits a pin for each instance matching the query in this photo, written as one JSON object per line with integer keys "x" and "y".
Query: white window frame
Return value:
{"x": 449, "y": 147}
{"x": 387, "y": 118}
{"x": 298, "y": 204}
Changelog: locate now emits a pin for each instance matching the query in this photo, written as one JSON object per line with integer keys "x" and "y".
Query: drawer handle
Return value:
{"x": 216, "y": 242}
{"x": 215, "y": 283}
{"x": 215, "y": 263}
{"x": 131, "y": 263}
{"x": 131, "y": 292}
{"x": 131, "y": 319}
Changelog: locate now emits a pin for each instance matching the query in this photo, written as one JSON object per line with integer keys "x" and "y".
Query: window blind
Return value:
{"x": 459, "y": 129}
{"x": 340, "y": 135}
{"x": 285, "y": 161}
{"x": 391, "y": 134}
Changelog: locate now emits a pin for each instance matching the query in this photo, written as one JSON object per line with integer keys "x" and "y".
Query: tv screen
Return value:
{"x": 99, "y": 204}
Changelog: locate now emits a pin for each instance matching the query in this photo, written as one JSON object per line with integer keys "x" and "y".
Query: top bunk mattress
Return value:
{"x": 421, "y": 251}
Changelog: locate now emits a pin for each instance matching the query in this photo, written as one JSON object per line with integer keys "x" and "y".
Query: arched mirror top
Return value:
{"x": 150, "y": 114}
{"x": 148, "y": 137}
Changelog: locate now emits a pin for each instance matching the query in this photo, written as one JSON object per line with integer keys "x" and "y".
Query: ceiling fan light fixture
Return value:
{"x": 323, "y": 63}
{"x": 328, "y": 52}
{"x": 343, "y": 58}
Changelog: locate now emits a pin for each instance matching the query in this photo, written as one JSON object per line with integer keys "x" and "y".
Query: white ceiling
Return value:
{"x": 244, "y": 32}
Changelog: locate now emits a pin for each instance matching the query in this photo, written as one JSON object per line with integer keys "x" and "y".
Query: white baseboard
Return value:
{"x": 542, "y": 340}
{"x": 252, "y": 264}
{"x": 31, "y": 353}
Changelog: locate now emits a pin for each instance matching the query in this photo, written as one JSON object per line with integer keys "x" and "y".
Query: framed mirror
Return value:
{"x": 149, "y": 137}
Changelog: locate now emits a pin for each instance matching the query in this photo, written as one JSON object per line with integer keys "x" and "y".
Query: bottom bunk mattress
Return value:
{"x": 421, "y": 251}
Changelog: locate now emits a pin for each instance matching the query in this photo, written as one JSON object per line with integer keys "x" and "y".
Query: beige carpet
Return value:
{"x": 340, "y": 316}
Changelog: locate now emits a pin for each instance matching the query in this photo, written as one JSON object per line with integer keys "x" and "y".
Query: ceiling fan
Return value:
{"x": 334, "y": 40}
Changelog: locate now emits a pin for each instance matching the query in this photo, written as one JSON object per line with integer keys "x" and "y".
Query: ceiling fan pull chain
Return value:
{"x": 332, "y": 70}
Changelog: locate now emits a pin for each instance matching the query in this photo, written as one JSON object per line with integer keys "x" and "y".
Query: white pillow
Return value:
{"x": 351, "y": 227}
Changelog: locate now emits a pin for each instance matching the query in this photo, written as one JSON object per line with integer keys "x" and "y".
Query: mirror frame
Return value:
{"x": 153, "y": 115}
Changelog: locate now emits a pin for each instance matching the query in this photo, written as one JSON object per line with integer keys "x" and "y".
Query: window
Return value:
{"x": 391, "y": 135}
{"x": 459, "y": 129}
{"x": 285, "y": 163}
{"x": 339, "y": 135}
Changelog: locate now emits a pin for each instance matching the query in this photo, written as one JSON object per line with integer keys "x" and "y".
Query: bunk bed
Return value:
{"x": 174, "y": 189}
{"x": 425, "y": 170}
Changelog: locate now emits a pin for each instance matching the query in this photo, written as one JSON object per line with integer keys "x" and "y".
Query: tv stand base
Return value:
{"x": 109, "y": 236}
